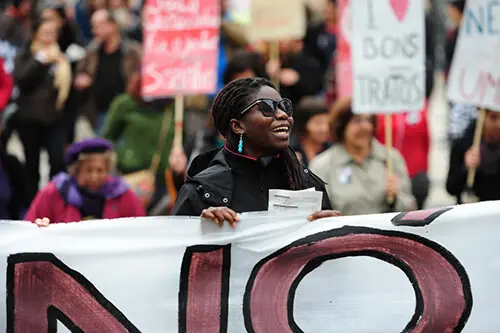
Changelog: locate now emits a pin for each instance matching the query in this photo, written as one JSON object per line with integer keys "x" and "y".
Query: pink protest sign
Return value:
{"x": 181, "y": 40}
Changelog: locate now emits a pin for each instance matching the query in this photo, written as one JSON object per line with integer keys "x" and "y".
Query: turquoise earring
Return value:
{"x": 240, "y": 144}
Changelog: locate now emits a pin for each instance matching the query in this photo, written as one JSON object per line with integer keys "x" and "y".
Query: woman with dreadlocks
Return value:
{"x": 256, "y": 123}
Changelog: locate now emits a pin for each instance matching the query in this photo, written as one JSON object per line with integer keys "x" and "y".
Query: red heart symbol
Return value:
{"x": 400, "y": 8}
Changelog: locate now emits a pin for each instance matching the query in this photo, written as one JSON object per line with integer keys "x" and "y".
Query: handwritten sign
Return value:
{"x": 181, "y": 39}
{"x": 426, "y": 271}
{"x": 388, "y": 55}
{"x": 277, "y": 20}
{"x": 475, "y": 72}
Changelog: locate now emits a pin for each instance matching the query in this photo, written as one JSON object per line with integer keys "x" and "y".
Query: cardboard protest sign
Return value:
{"x": 426, "y": 271}
{"x": 180, "y": 52}
{"x": 277, "y": 20}
{"x": 388, "y": 54}
{"x": 475, "y": 73}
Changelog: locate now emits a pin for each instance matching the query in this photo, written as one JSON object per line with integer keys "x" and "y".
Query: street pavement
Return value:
{"x": 439, "y": 156}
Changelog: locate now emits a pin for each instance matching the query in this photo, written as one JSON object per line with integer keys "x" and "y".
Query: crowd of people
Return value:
{"x": 60, "y": 62}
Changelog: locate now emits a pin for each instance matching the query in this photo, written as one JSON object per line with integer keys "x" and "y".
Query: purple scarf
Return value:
{"x": 69, "y": 190}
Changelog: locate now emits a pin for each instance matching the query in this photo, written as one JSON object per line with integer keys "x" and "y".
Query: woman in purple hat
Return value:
{"x": 87, "y": 191}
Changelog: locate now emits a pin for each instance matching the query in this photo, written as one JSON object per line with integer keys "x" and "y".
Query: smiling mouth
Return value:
{"x": 281, "y": 130}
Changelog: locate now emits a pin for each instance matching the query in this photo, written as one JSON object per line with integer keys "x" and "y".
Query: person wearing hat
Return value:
{"x": 87, "y": 190}
{"x": 355, "y": 168}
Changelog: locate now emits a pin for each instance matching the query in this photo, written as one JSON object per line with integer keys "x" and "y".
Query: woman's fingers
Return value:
{"x": 234, "y": 215}
{"x": 323, "y": 214}
{"x": 230, "y": 218}
{"x": 208, "y": 215}
{"x": 44, "y": 222}
{"x": 221, "y": 214}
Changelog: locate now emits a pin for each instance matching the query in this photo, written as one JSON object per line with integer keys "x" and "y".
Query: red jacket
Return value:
{"x": 410, "y": 136}
{"x": 49, "y": 203}
{"x": 6, "y": 86}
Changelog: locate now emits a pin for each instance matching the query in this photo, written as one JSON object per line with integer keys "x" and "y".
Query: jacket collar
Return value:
{"x": 213, "y": 177}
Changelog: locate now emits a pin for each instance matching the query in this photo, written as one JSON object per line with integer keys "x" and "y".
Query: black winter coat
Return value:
{"x": 486, "y": 183}
{"x": 19, "y": 201}
{"x": 221, "y": 178}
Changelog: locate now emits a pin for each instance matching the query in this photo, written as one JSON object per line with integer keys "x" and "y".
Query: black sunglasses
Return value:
{"x": 269, "y": 107}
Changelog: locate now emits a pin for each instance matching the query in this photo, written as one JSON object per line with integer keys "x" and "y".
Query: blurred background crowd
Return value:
{"x": 71, "y": 70}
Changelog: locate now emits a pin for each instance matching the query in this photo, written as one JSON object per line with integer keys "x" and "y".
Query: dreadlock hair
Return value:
{"x": 227, "y": 105}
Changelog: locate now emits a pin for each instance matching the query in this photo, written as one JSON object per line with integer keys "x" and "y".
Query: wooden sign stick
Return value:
{"x": 478, "y": 133}
{"x": 388, "y": 146}
{"x": 274, "y": 55}
{"x": 177, "y": 144}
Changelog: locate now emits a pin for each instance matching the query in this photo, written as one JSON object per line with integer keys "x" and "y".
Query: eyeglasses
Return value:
{"x": 269, "y": 107}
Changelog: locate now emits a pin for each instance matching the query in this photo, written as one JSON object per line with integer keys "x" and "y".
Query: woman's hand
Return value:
{"x": 273, "y": 67}
{"x": 52, "y": 53}
{"x": 177, "y": 161}
{"x": 323, "y": 214}
{"x": 221, "y": 214}
{"x": 472, "y": 158}
{"x": 83, "y": 81}
{"x": 392, "y": 186}
{"x": 42, "y": 222}
{"x": 289, "y": 77}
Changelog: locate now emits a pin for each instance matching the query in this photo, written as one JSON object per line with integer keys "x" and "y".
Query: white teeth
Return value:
{"x": 281, "y": 129}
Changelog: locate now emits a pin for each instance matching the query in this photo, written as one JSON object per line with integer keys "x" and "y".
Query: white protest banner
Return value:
{"x": 277, "y": 20}
{"x": 427, "y": 271}
{"x": 181, "y": 42}
{"x": 475, "y": 71}
{"x": 388, "y": 54}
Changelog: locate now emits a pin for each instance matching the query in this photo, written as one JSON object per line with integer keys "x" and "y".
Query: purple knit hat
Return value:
{"x": 93, "y": 145}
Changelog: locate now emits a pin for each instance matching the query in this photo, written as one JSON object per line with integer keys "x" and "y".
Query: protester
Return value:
{"x": 43, "y": 76}
{"x": 485, "y": 159}
{"x": 68, "y": 33}
{"x": 83, "y": 12}
{"x": 125, "y": 17}
{"x": 313, "y": 130}
{"x": 299, "y": 74}
{"x": 103, "y": 73}
{"x": 69, "y": 36}
{"x": 6, "y": 86}
{"x": 256, "y": 123}
{"x": 410, "y": 136}
{"x": 14, "y": 30}
{"x": 320, "y": 39}
{"x": 14, "y": 34}
{"x": 355, "y": 167}
{"x": 13, "y": 196}
{"x": 87, "y": 191}
{"x": 135, "y": 126}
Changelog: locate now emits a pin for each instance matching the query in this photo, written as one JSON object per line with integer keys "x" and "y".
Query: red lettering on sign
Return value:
{"x": 42, "y": 290}
{"x": 442, "y": 288}
{"x": 483, "y": 83}
{"x": 204, "y": 289}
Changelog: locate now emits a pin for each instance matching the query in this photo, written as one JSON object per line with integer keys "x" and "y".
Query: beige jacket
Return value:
{"x": 356, "y": 189}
